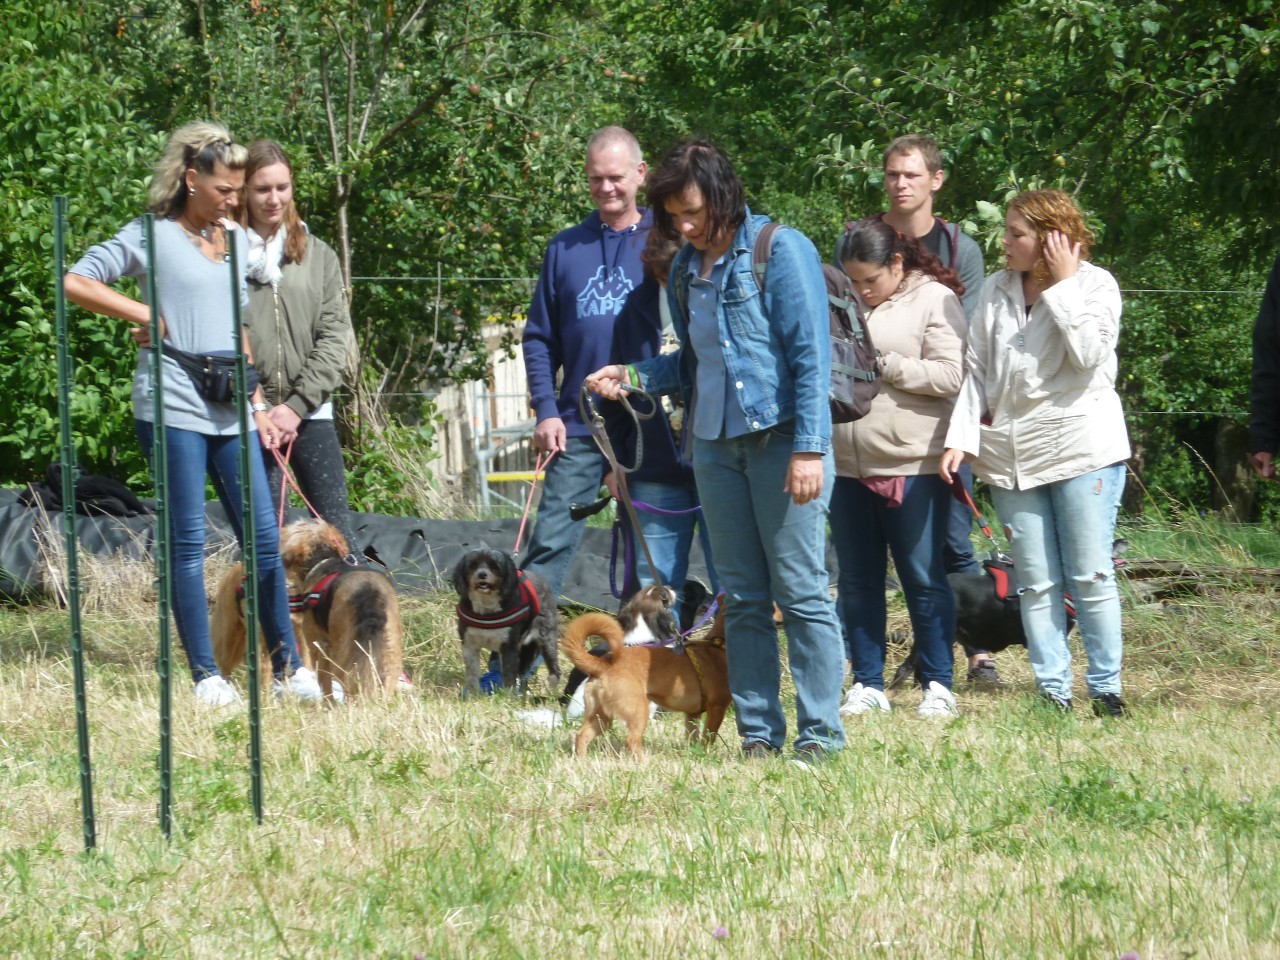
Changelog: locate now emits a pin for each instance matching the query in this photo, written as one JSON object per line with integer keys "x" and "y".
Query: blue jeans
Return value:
{"x": 190, "y": 456}
{"x": 957, "y": 551}
{"x": 1060, "y": 538}
{"x": 768, "y": 549}
{"x": 670, "y": 537}
{"x": 574, "y": 476}
{"x": 865, "y": 529}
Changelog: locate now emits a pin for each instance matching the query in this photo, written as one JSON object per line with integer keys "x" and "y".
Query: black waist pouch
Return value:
{"x": 214, "y": 375}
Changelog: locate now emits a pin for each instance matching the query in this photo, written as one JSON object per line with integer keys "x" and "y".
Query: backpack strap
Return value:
{"x": 761, "y": 251}
{"x": 953, "y": 238}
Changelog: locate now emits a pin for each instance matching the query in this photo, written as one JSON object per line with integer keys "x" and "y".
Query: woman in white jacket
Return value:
{"x": 1039, "y": 411}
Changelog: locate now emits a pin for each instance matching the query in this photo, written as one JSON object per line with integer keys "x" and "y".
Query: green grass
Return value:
{"x": 437, "y": 827}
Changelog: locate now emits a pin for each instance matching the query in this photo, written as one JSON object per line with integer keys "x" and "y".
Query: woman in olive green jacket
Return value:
{"x": 300, "y": 331}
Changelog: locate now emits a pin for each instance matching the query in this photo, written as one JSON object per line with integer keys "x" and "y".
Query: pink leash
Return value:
{"x": 538, "y": 466}
{"x": 287, "y": 480}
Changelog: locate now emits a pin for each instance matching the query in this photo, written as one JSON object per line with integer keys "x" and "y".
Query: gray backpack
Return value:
{"x": 854, "y": 382}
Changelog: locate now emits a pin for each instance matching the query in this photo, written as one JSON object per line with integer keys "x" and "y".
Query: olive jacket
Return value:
{"x": 300, "y": 331}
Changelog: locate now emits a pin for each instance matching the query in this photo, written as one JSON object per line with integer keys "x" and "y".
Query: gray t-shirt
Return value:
{"x": 194, "y": 296}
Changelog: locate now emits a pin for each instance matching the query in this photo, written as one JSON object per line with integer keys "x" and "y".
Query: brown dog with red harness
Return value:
{"x": 346, "y": 615}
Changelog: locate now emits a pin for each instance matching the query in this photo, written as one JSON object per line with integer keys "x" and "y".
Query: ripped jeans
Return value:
{"x": 1060, "y": 537}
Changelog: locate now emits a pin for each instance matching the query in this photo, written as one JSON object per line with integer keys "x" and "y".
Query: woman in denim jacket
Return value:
{"x": 753, "y": 371}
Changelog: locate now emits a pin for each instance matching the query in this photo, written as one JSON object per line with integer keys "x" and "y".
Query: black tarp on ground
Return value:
{"x": 420, "y": 553}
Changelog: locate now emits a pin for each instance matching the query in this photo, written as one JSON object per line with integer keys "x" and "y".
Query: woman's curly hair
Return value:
{"x": 1049, "y": 210}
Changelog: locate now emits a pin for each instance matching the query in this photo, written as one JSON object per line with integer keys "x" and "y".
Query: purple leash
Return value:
{"x": 662, "y": 512}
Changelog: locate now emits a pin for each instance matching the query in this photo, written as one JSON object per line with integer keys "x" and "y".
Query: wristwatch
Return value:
{"x": 259, "y": 407}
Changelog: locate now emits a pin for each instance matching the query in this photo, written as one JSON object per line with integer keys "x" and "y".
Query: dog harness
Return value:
{"x": 526, "y": 607}
{"x": 999, "y": 573}
{"x": 318, "y": 599}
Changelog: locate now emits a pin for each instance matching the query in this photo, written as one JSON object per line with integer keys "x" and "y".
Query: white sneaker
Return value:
{"x": 214, "y": 691}
{"x": 938, "y": 702}
{"x": 862, "y": 699}
{"x": 303, "y": 685}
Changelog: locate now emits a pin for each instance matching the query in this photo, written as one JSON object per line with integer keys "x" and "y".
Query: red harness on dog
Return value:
{"x": 317, "y": 598}
{"x": 1000, "y": 575}
{"x": 527, "y": 606}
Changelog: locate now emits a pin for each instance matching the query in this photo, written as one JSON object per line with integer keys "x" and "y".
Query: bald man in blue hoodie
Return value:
{"x": 587, "y": 274}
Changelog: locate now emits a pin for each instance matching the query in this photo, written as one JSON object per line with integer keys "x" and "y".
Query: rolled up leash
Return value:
{"x": 595, "y": 423}
{"x": 580, "y": 511}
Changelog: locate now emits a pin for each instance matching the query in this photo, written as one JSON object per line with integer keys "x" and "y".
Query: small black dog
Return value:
{"x": 504, "y": 609}
{"x": 985, "y": 619}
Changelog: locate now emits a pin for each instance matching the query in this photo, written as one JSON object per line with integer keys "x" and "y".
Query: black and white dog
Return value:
{"x": 504, "y": 609}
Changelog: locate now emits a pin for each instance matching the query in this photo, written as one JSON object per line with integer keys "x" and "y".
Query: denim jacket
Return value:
{"x": 777, "y": 348}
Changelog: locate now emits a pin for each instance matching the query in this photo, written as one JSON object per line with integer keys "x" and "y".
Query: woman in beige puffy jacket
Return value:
{"x": 888, "y": 498}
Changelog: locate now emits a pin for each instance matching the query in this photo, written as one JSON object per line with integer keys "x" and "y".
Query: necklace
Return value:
{"x": 209, "y": 235}
{"x": 204, "y": 233}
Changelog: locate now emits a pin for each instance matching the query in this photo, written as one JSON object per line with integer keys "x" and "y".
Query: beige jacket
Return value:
{"x": 920, "y": 334}
{"x": 1044, "y": 382}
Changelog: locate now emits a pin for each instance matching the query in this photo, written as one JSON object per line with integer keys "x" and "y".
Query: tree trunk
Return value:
{"x": 1235, "y": 490}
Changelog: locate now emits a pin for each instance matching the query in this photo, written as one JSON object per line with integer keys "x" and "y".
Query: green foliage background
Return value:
{"x": 444, "y": 140}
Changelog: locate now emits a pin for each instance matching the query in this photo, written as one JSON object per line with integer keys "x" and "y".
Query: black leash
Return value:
{"x": 595, "y": 423}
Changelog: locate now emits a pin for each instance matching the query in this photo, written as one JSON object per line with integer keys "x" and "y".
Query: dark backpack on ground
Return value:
{"x": 94, "y": 495}
{"x": 854, "y": 383}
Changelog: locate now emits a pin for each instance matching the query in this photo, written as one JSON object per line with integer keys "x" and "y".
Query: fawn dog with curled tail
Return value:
{"x": 622, "y": 681}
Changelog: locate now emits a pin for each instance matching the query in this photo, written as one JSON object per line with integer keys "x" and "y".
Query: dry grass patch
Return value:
{"x": 440, "y": 827}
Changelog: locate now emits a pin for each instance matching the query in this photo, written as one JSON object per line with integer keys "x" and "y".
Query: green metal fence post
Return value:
{"x": 69, "y": 472}
{"x": 250, "y": 552}
{"x": 164, "y": 572}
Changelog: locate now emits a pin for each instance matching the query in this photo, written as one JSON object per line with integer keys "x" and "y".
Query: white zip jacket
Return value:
{"x": 1038, "y": 403}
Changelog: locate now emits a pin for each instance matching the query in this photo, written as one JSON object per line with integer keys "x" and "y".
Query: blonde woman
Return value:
{"x": 1039, "y": 411}
{"x": 194, "y": 192}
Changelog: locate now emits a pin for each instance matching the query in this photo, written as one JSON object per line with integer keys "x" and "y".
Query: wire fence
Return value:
{"x": 1124, "y": 292}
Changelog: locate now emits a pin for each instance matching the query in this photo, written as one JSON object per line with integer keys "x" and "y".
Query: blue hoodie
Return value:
{"x": 586, "y": 276}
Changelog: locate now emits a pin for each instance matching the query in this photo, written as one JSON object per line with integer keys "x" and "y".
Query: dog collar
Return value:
{"x": 527, "y": 606}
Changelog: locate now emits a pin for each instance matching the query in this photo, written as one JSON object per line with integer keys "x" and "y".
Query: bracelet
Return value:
{"x": 259, "y": 407}
{"x": 633, "y": 375}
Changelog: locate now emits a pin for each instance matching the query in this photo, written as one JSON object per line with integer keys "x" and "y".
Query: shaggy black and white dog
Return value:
{"x": 507, "y": 610}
